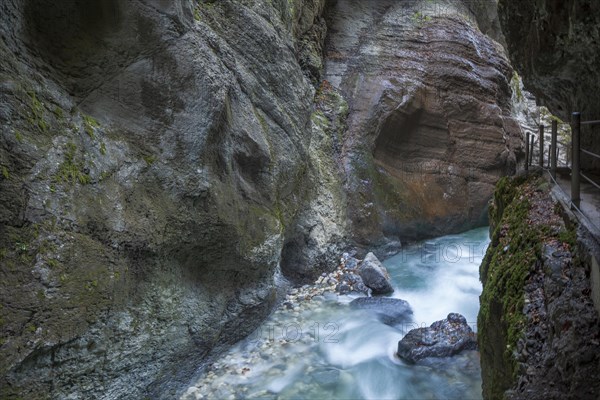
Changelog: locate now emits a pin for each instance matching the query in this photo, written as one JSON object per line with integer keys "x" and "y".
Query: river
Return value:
{"x": 319, "y": 348}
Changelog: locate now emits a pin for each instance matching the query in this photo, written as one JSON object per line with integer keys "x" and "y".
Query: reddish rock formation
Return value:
{"x": 429, "y": 129}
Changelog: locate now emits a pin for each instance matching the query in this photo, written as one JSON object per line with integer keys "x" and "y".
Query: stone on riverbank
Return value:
{"x": 352, "y": 283}
{"x": 374, "y": 275}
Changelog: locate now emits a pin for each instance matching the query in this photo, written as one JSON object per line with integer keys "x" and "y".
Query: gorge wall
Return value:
{"x": 153, "y": 155}
{"x": 160, "y": 159}
{"x": 429, "y": 128}
{"x": 555, "y": 47}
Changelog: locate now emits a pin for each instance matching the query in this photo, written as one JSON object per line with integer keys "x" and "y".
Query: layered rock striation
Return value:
{"x": 429, "y": 128}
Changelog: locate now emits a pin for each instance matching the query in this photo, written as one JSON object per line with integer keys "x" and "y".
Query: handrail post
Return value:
{"x": 575, "y": 152}
{"x": 531, "y": 150}
{"x": 549, "y": 157}
{"x": 527, "y": 152}
{"x": 553, "y": 154}
{"x": 541, "y": 139}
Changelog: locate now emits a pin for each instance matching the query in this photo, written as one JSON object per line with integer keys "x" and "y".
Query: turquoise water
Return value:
{"x": 441, "y": 276}
{"x": 322, "y": 349}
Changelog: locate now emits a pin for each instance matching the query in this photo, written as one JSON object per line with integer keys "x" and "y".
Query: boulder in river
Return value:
{"x": 389, "y": 311}
{"x": 443, "y": 338}
{"x": 375, "y": 275}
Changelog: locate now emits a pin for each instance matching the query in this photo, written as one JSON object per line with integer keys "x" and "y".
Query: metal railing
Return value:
{"x": 576, "y": 124}
{"x": 575, "y": 150}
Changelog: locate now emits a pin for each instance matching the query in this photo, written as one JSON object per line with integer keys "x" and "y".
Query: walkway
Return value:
{"x": 586, "y": 185}
{"x": 590, "y": 200}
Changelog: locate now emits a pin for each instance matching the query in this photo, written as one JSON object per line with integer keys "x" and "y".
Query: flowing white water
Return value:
{"x": 322, "y": 349}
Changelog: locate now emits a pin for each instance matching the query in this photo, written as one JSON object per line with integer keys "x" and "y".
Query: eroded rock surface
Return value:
{"x": 153, "y": 155}
{"x": 559, "y": 352}
{"x": 429, "y": 129}
{"x": 159, "y": 159}
{"x": 555, "y": 46}
{"x": 320, "y": 232}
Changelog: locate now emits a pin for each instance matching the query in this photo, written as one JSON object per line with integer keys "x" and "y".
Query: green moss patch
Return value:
{"x": 89, "y": 125}
{"x": 418, "y": 18}
{"x": 150, "y": 159}
{"x": 523, "y": 218}
{"x": 36, "y": 117}
{"x": 516, "y": 86}
{"x": 71, "y": 170}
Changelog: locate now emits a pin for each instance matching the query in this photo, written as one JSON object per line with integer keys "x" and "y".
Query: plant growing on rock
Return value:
{"x": 36, "y": 116}
{"x": 523, "y": 219}
{"x": 89, "y": 125}
{"x": 72, "y": 171}
{"x": 418, "y": 18}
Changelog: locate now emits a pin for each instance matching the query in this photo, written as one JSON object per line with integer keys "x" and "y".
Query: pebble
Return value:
{"x": 236, "y": 368}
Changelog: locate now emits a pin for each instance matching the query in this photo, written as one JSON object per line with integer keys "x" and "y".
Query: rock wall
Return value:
{"x": 537, "y": 326}
{"x": 555, "y": 47}
{"x": 154, "y": 155}
{"x": 321, "y": 232}
{"x": 429, "y": 127}
{"x": 530, "y": 116}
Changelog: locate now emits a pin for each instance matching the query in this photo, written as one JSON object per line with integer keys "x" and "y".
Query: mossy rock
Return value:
{"x": 517, "y": 239}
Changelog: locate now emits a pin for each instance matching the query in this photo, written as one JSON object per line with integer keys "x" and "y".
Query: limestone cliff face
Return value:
{"x": 321, "y": 232}
{"x": 429, "y": 128}
{"x": 555, "y": 46}
{"x": 153, "y": 155}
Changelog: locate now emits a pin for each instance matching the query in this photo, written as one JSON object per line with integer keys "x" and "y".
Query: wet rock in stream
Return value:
{"x": 443, "y": 338}
{"x": 374, "y": 275}
{"x": 388, "y": 310}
